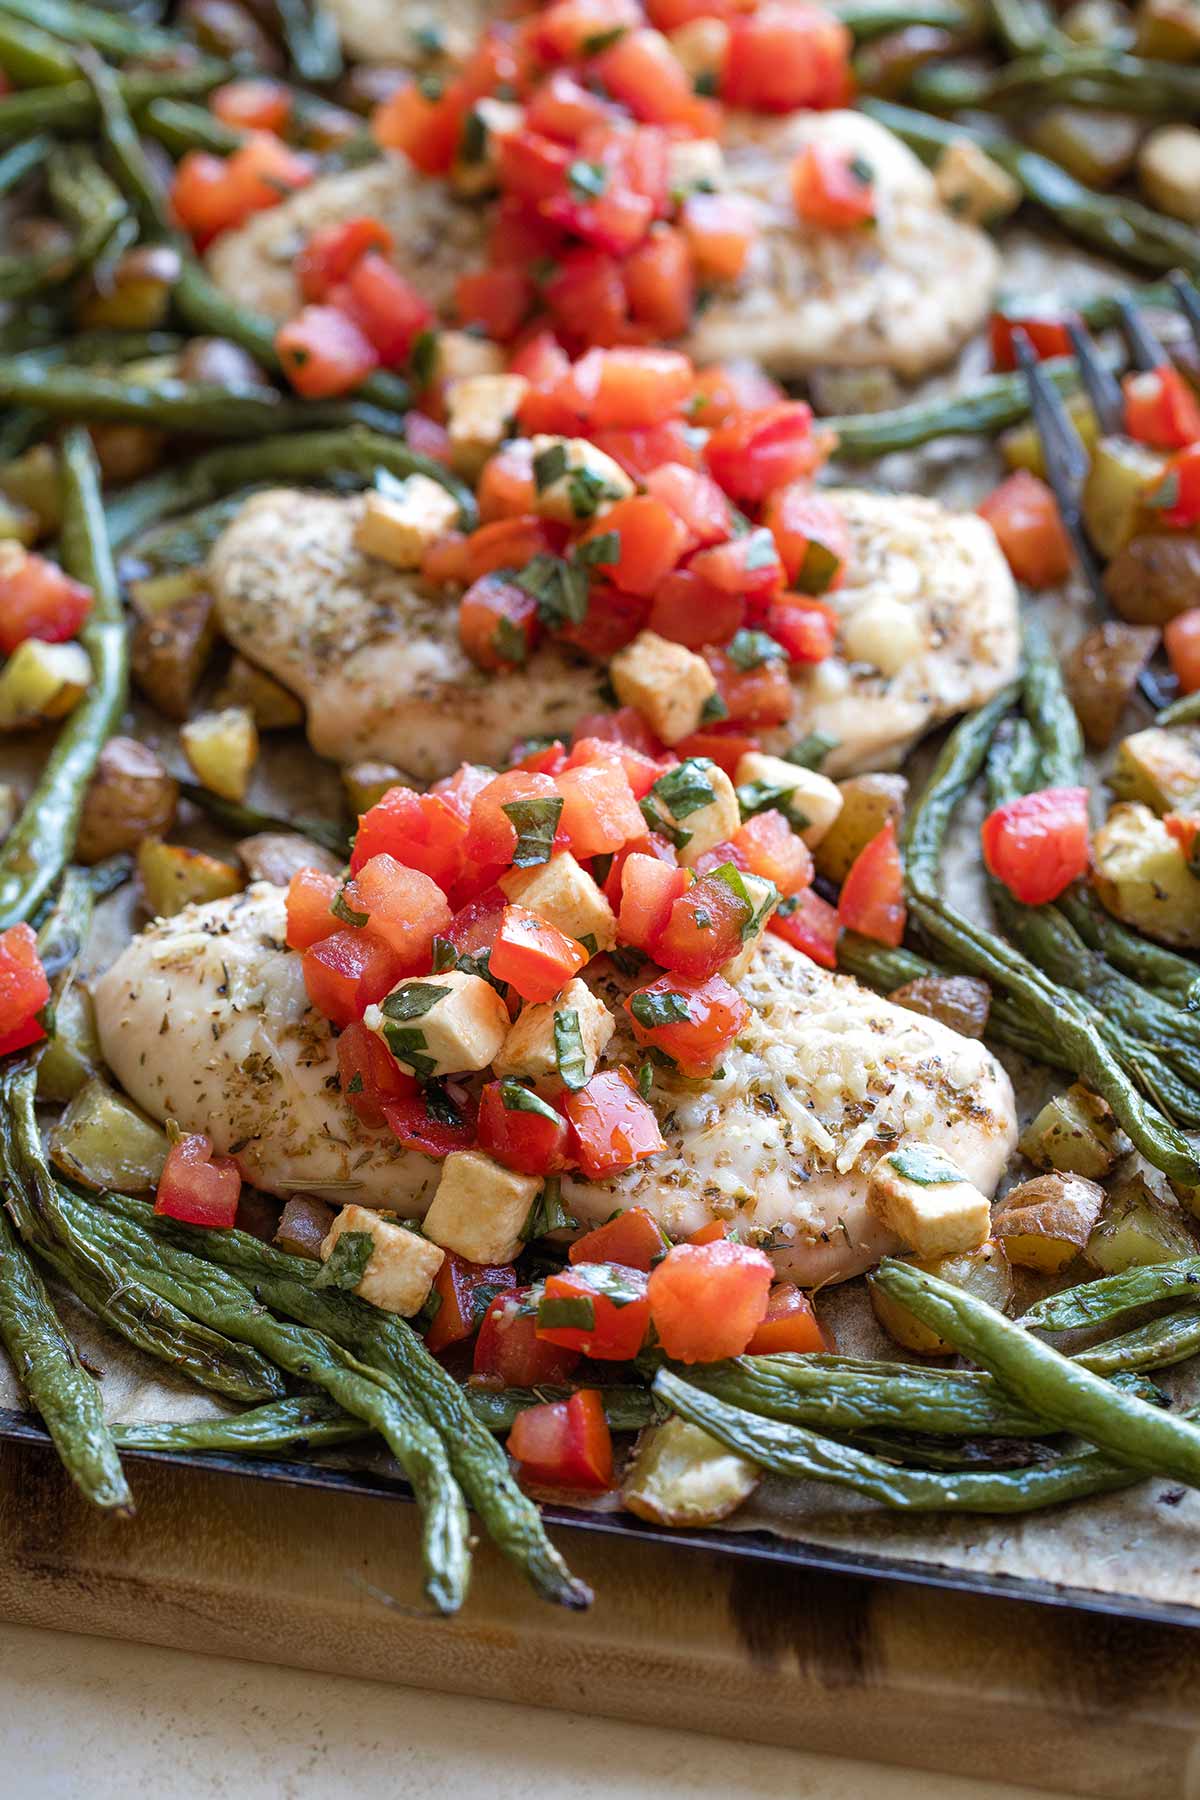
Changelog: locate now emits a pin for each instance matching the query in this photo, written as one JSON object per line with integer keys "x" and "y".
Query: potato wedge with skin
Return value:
{"x": 869, "y": 802}
{"x": 103, "y": 1141}
{"x": 1102, "y": 674}
{"x": 276, "y": 856}
{"x": 1142, "y": 877}
{"x": 72, "y": 1054}
{"x": 173, "y": 876}
{"x": 1154, "y": 578}
{"x": 169, "y": 653}
{"x": 42, "y": 682}
{"x": 272, "y": 706}
{"x": 1137, "y": 1227}
{"x": 1120, "y": 476}
{"x": 367, "y": 782}
{"x": 985, "y": 1273}
{"x": 1045, "y": 1223}
{"x": 1159, "y": 768}
{"x": 961, "y": 1001}
{"x": 131, "y": 796}
{"x": 1076, "y": 1133}
{"x": 681, "y": 1476}
{"x": 154, "y": 594}
{"x": 222, "y": 748}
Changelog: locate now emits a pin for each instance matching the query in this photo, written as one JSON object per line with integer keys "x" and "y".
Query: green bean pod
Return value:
{"x": 71, "y": 106}
{"x": 78, "y": 23}
{"x": 287, "y": 1428}
{"x": 1160, "y": 1344}
{"x": 1108, "y": 1298}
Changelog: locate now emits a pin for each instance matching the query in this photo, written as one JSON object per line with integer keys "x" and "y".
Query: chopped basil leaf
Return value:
{"x": 652, "y": 1010}
{"x": 654, "y": 819}
{"x": 714, "y": 708}
{"x": 645, "y": 1079}
{"x": 760, "y": 552}
{"x": 568, "y": 1049}
{"x": 818, "y": 567}
{"x": 547, "y": 1212}
{"x": 408, "y": 1046}
{"x": 627, "y": 961}
{"x": 413, "y": 1000}
{"x": 769, "y": 796}
{"x": 355, "y": 1083}
{"x": 705, "y": 84}
{"x": 586, "y": 490}
{"x": 603, "y": 549}
{"x": 751, "y": 649}
{"x": 341, "y": 909}
{"x": 619, "y": 1285}
{"x": 509, "y": 642}
{"x": 810, "y": 752}
{"x": 588, "y": 179}
{"x": 347, "y": 1262}
{"x": 432, "y": 1306}
{"x": 686, "y": 788}
{"x": 439, "y": 1107}
{"x": 445, "y": 956}
{"x": 535, "y": 823}
{"x": 588, "y": 940}
{"x": 600, "y": 41}
{"x": 421, "y": 360}
{"x": 565, "y": 1312}
{"x": 733, "y": 879}
{"x": 473, "y": 144}
{"x": 549, "y": 466}
{"x": 924, "y": 1166}
{"x": 430, "y": 87}
{"x": 515, "y": 1097}
{"x": 560, "y": 590}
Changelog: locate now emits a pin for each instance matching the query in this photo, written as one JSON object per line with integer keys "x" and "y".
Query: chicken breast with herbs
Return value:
{"x": 203, "y": 1019}
{"x": 374, "y": 656}
{"x": 417, "y": 35}
{"x": 905, "y": 292}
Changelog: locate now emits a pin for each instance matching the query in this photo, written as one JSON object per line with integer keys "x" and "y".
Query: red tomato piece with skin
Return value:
{"x": 624, "y": 389}
{"x": 832, "y": 189}
{"x": 872, "y": 898}
{"x": 323, "y": 353}
{"x": 532, "y": 167}
{"x": 1037, "y": 845}
{"x": 497, "y": 300}
{"x": 310, "y": 896}
{"x": 783, "y": 56}
{"x": 369, "y": 1075}
{"x": 465, "y": 1290}
{"x": 759, "y": 451}
{"x": 586, "y": 300}
{"x": 725, "y": 748}
{"x": 611, "y": 1307}
{"x": 331, "y": 252}
{"x": 1181, "y": 639}
{"x": 809, "y": 924}
{"x": 560, "y": 107}
{"x": 39, "y": 600}
{"x": 509, "y": 1349}
{"x": 726, "y": 390}
{"x": 459, "y": 790}
{"x": 24, "y": 988}
{"x": 427, "y": 131}
{"x": 1048, "y": 333}
{"x": 1024, "y": 515}
{"x": 348, "y": 971}
{"x": 624, "y": 726}
{"x": 789, "y": 1325}
{"x": 746, "y": 565}
{"x": 541, "y": 359}
{"x": 641, "y": 451}
{"x": 634, "y": 1239}
{"x": 406, "y": 908}
{"x": 1185, "y": 829}
{"x": 704, "y": 1019}
{"x": 615, "y": 223}
{"x": 806, "y": 629}
{"x": 31, "y": 1032}
{"x": 504, "y": 544}
{"x": 812, "y": 538}
{"x": 651, "y": 540}
{"x": 611, "y": 1126}
{"x": 252, "y": 105}
{"x": 564, "y": 1443}
{"x": 507, "y": 489}
{"x": 533, "y": 956}
{"x": 197, "y": 1187}
{"x": 521, "y": 1130}
{"x": 599, "y": 813}
{"x": 759, "y": 696}
{"x": 653, "y": 845}
{"x": 703, "y": 929}
{"x": 444, "y": 562}
{"x": 644, "y": 74}
{"x": 428, "y": 438}
{"x": 388, "y": 310}
{"x": 613, "y": 620}
{"x": 1161, "y": 409}
{"x": 263, "y": 171}
{"x": 498, "y": 623}
{"x": 773, "y": 850}
{"x": 640, "y": 771}
{"x": 202, "y": 199}
{"x": 715, "y": 1232}
{"x": 693, "y": 497}
{"x": 538, "y": 758}
{"x": 660, "y": 283}
{"x": 727, "y": 852}
{"x": 423, "y": 831}
{"x": 566, "y": 31}
{"x": 491, "y": 834}
{"x": 432, "y": 1133}
{"x": 719, "y": 231}
{"x": 1177, "y": 495}
{"x": 708, "y": 1300}
{"x": 649, "y": 891}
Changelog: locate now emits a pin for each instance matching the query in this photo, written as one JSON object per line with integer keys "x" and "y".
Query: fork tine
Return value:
{"x": 1188, "y": 296}
{"x": 1144, "y": 347}
{"x": 1103, "y": 388}
{"x": 1065, "y": 456}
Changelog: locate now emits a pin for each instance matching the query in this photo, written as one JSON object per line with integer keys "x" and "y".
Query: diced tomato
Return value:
{"x": 725, "y": 748}
{"x": 460, "y": 789}
{"x": 660, "y": 284}
{"x": 707, "y": 1300}
{"x": 640, "y": 771}
{"x": 586, "y": 299}
{"x": 653, "y": 845}
{"x": 541, "y": 359}
{"x": 872, "y": 898}
{"x": 521, "y": 1130}
{"x": 202, "y": 199}
{"x": 423, "y": 831}
{"x": 252, "y": 105}
{"x": 533, "y": 956}
{"x": 425, "y": 126}
{"x": 719, "y": 231}
{"x": 715, "y": 1232}
{"x": 492, "y": 835}
{"x": 1024, "y": 515}
{"x": 627, "y": 389}
{"x": 773, "y": 850}
{"x": 693, "y": 1022}
{"x": 613, "y": 619}
{"x": 790, "y": 1324}
{"x": 1047, "y": 332}
{"x": 611, "y": 1126}
{"x": 727, "y": 389}
{"x": 599, "y": 810}
{"x": 531, "y": 167}
{"x": 624, "y": 726}
{"x": 498, "y": 300}
{"x": 1037, "y": 845}
{"x": 810, "y": 924}
{"x": 614, "y": 222}
{"x": 806, "y": 629}
{"x": 812, "y": 538}
{"x": 565, "y": 1443}
{"x": 505, "y": 544}
{"x": 741, "y": 565}
{"x": 833, "y": 189}
{"x": 760, "y": 695}
{"x": 643, "y": 72}
{"x": 569, "y": 30}
{"x": 634, "y": 1239}
{"x": 718, "y": 856}
{"x": 1181, "y": 639}
{"x": 704, "y": 928}
{"x": 428, "y": 438}
{"x": 538, "y": 758}
{"x": 324, "y": 353}
{"x": 1185, "y": 829}
{"x": 39, "y": 600}
{"x": 348, "y": 971}
{"x": 263, "y": 171}
{"x": 649, "y": 890}
{"x": 596, "y": 1308}
{"x": 762, "y": 450}
{"x": 650, "y": 538}
{"x": 498, "y": 623}
{"x": 1177, "y": 495}
{"x": 464, "y": 1292}
{"x": 1161, "y": 409}
{"x": 388, "y": 310}
{"x": 197, "y": 1187}
{"x": 693, "y": 497}
{"x": 434, "y": 1130}
{"x": 406, "y": 907}
{"x": 24, "y": 989}
{"x": 444, "y": 562}
{"x": 311, "y": 893}
{"x": 369, "y": 1075}
{"x": 509, "y": 1348}
{"x": 560, "y": 107}
{"x": 332, "y": 251}
{"x": 784, "y": 55}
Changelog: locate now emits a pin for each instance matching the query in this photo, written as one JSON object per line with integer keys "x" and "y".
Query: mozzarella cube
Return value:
{"x": 565, "y": 895}
{"x": 697, "y": 800}
{"x": 883, "y": 633}
{"x": 474, "y": 170}
{"x": 667, "y": 683}
{"x": 574, "y": 480}
{"x": 810, "y": 796}
{"x": 696, "y": 165}
{"x": 972, "y": 186}
{"x": 402, "y": 1265}
{"x": 441, "y": 1024}
{"x": 764, "y": 898}
{"x": 916, "y": 1192}
{"x": 399, "y": 527}
{"x": 480, "y": 1207}
{"x": 529, "y": 1049}
{"x": 481, "y": 410}
{"x": 457, "y": 355}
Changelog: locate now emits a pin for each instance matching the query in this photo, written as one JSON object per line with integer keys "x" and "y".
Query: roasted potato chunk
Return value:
{"x": 960, "y": 1001}
{"x": 1154, "y": 578}
{"x": 173, "y": 876}
{"x": 131, "y": 797}
{"x": 103, "y": 1141}
{"x": 1161, "y": 769}
{"x": 169, "y": 652}
{"x": 1142, "y": 877}
{"x": 222, "y": 748}
{"x": 367, "y": 782}
{"x": 1102, "y": 674}
{"x": 1076, "y": 1133}
{"x": 1140, "y": 1224}
{"x": 868, "y": 803}
{"x": 272, "y": 706}
{"x": 42, "y": 682}
{"x": 1046, "y": 1222}
{"x": 681, "y": 1476}
{"x": 985, "y": 1273}
{"x": 277, "y": 855}
{"x": 1120, "y": 477}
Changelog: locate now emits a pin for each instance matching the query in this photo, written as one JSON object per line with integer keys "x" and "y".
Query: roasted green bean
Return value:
{"x": 244, "y": 821}
{"x": 1100, "y": 1302}
{"x": 72, "y": 107}
{"x": 284, "y": 1428}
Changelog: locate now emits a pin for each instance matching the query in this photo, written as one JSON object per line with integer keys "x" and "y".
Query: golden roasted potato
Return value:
{"x": 304, "y": 1225}
{"x": 169, "y": 651}
{"x": 1021, "y": 446}
{"x": 153, "y": 594}
{"x": 17, "y": 523}
{"x": 276, "y": 856}
{"x": 1046, "y": 1222}
{"x": 136, "y": 291}
{"x": 42, "y": 682}
{"x": 1154, "y": 578}
{"x": 985, "y": 1273}
{"x": 367, "y": 782}
{"x": 1102, "y": 674}
{"x": 72, "y": 1052}
{"x": 1076, "y": 1133}
{"x": 1168, "y": 29}
{"x": 131, "y": 797}
{"x": 1140, "y": 1224}
{"x": 868, "y": 803}
{"x": 1143, "y": 878}
{"x": 173, "y": 876}
{"x": 103, "y": 1141}
{"x": 1121, "y": 475}
{"x": 222, "y": 748}
{"x": 1159, "y": 768}
{"x": 1097, "y": 147}
{"x": 272, "y": 706}
{"x": 31, "y": 481}
{"x": 681, "y": 1476}
{"x": 1169, "y": 171}
{"x": 960, "y": 1001}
